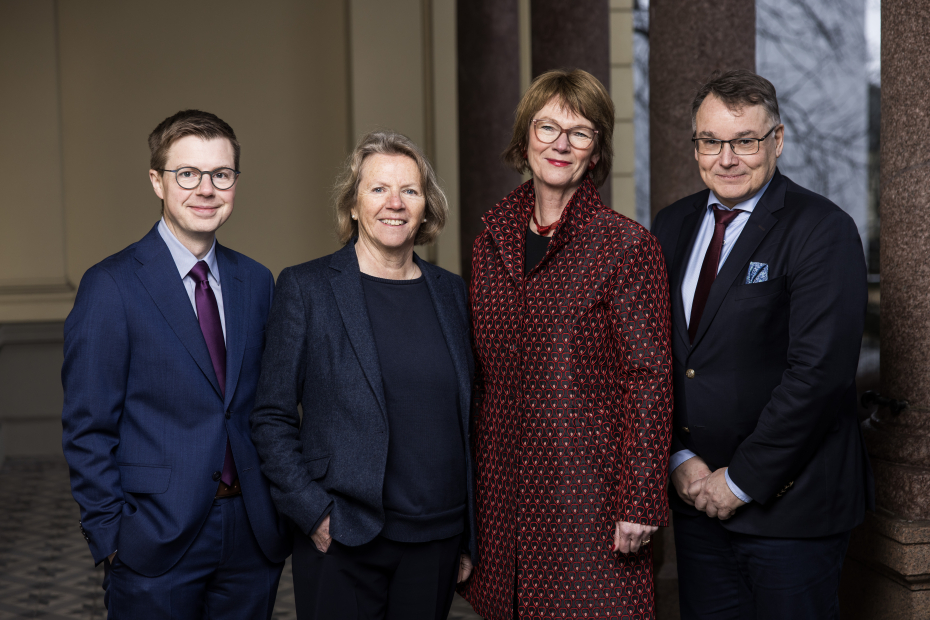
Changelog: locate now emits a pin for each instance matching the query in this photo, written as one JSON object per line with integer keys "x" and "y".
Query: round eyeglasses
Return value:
{"x": 740, "y": 146}
{"x": 548, "y": 132}
{"x": 189, "y": 178}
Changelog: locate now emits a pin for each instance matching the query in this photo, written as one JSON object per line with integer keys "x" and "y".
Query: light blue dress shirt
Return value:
{"x": 185, "y": 260}
{"x": 693, "y": 273}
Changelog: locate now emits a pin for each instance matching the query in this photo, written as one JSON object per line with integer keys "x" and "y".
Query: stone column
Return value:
{"x": 887, "y": 572}
{"x": 572, "y": 35}
{"x": 688, "y": 39}
{"x": 489, "y": 91}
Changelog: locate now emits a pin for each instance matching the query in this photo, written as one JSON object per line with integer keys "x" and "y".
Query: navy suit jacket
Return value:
{"x": 145, "y": 423}
{"x": 322, "y": 355}
{"x": 772, "y": 394}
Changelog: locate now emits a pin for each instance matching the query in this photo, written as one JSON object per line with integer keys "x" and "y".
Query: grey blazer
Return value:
{"x": 321, "y": 355}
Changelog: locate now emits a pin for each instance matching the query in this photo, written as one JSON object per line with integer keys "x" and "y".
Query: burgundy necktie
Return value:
{"x": 709, "y": 267}
{"x": 208, "y": 315}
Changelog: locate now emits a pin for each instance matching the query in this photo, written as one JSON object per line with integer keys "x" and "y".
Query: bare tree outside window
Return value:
{"x": 641, "y": 108}
{"x": 814, "y": 52}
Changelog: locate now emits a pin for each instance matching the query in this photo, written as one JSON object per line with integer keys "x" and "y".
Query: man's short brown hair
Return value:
{"x": 736, "y": 89}
{"x": 188, "y": 123}
{"x": 580, "y": 93}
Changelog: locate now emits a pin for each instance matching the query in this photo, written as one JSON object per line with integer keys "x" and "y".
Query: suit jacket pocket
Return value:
{"x": 317, "y": 466}
{"x": 760, "y": 289}
{"x": 144, "y": 478}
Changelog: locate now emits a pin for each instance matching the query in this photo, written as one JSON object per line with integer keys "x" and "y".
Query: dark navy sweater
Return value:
{"x": 424, "y": 491}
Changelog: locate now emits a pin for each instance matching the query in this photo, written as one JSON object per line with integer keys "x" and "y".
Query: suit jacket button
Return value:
{"x": 228, "y": 415}
{"x": 216, "y": 476}
{"x": 690, "y": 373}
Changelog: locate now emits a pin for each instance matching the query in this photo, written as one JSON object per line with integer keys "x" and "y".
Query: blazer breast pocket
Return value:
{"x": 760, "y": 289}
{"x": 150, "y": 479}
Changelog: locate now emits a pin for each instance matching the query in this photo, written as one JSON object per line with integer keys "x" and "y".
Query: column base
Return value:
{"x": 887, "y": 570}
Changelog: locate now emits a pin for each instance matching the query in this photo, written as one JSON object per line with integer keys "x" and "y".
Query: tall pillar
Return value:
{"x": 572, "y": 35}
{"x": 887, "y": 573}
{"x": 688, "y": 39}
{"x": 488, "y": 94}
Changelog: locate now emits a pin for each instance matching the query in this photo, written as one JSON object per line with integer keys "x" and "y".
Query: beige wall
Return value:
{"x": 84, "y": 84}
{"x": 403, "y": 78}
{"x": 621, "y": 91}
{"x": 33, "y": 275}
{"x": 276, "y": 71}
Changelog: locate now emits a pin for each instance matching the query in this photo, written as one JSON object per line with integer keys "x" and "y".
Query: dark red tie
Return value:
{"x": 709, "y": 267}
{"x": 208, "y": 315}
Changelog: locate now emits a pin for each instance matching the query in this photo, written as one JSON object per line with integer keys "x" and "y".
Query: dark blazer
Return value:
{"x": 145, "y": 422}
{"x": 321, "y": 355}
{"x": 768, "y": 388}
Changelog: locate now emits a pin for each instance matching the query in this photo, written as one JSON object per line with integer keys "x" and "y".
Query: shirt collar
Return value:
{"x": 746, "y": 205}
{"x": 184, "y": 259}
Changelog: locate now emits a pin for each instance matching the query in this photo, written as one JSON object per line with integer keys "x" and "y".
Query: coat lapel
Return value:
{"x": 507, "y": 222}
{"x": 440, "y": 289}
{"x": 346, "y": 281}
{"x": 234, "y": 289}
{"x": 580, "y": 210}
{"x": 689, "y": 230}
{"x": 760, "y": 223}
{"x": 159, "y": 276}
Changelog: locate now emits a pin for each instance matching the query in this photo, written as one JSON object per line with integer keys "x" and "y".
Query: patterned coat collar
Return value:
{"x": 508, "y": 220}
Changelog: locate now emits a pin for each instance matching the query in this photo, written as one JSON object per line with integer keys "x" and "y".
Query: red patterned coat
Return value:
{"x": 573, "y": 421}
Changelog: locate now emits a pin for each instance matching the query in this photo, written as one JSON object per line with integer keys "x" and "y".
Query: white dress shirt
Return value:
{"x": 693, "y": 273}
{"x": 185, "y": 260}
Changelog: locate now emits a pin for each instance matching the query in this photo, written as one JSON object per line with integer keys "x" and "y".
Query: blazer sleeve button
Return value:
{"x": 690, "y": 373}
{"x": 216, "y": 476}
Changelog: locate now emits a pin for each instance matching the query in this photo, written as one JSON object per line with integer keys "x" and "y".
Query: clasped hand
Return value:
{"x": 705, "y": 490}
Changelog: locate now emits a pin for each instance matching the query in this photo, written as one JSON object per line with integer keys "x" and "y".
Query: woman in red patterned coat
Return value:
{"x": 571, "y": 329}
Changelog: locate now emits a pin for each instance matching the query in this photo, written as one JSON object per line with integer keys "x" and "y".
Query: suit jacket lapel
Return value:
{"x": 760, "y": 223}
{"x": 235, "y": 310}
{"x": 346, "y": 281}
{"x": 690, "y": 226}
{"x": 440, "y": 290}
{"x": 159, "y": 276}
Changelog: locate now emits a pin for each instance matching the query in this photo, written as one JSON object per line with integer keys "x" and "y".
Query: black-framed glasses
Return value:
{"x": 548, "y": 132}
{"x": 739, "y": 146}
{"x": 189, "y": 177}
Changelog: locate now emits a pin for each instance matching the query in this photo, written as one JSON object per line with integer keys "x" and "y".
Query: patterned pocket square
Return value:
{"x": 758, "y": 272}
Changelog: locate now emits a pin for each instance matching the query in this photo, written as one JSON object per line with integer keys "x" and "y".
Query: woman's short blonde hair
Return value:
{"x": 582, "y": 94}
{"x": 345, "y": 194}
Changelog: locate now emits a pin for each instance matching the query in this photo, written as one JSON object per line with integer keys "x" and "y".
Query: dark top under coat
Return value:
{"x": 424, "y": 479}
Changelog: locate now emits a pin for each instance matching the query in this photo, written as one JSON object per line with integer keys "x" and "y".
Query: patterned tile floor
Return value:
{"x": 45, "y": 567}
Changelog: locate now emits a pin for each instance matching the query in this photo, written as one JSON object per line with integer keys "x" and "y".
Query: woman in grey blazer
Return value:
{"x": 361, "y": 415}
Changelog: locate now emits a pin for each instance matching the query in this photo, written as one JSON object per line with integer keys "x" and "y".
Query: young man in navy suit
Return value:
{"x": 768, "y": 284}
{"x": 162, "y": 354}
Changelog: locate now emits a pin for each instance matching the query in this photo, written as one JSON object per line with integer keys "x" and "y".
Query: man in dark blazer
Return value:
{"x": 162, "y": 354}
{"x": 768, "y": 286}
